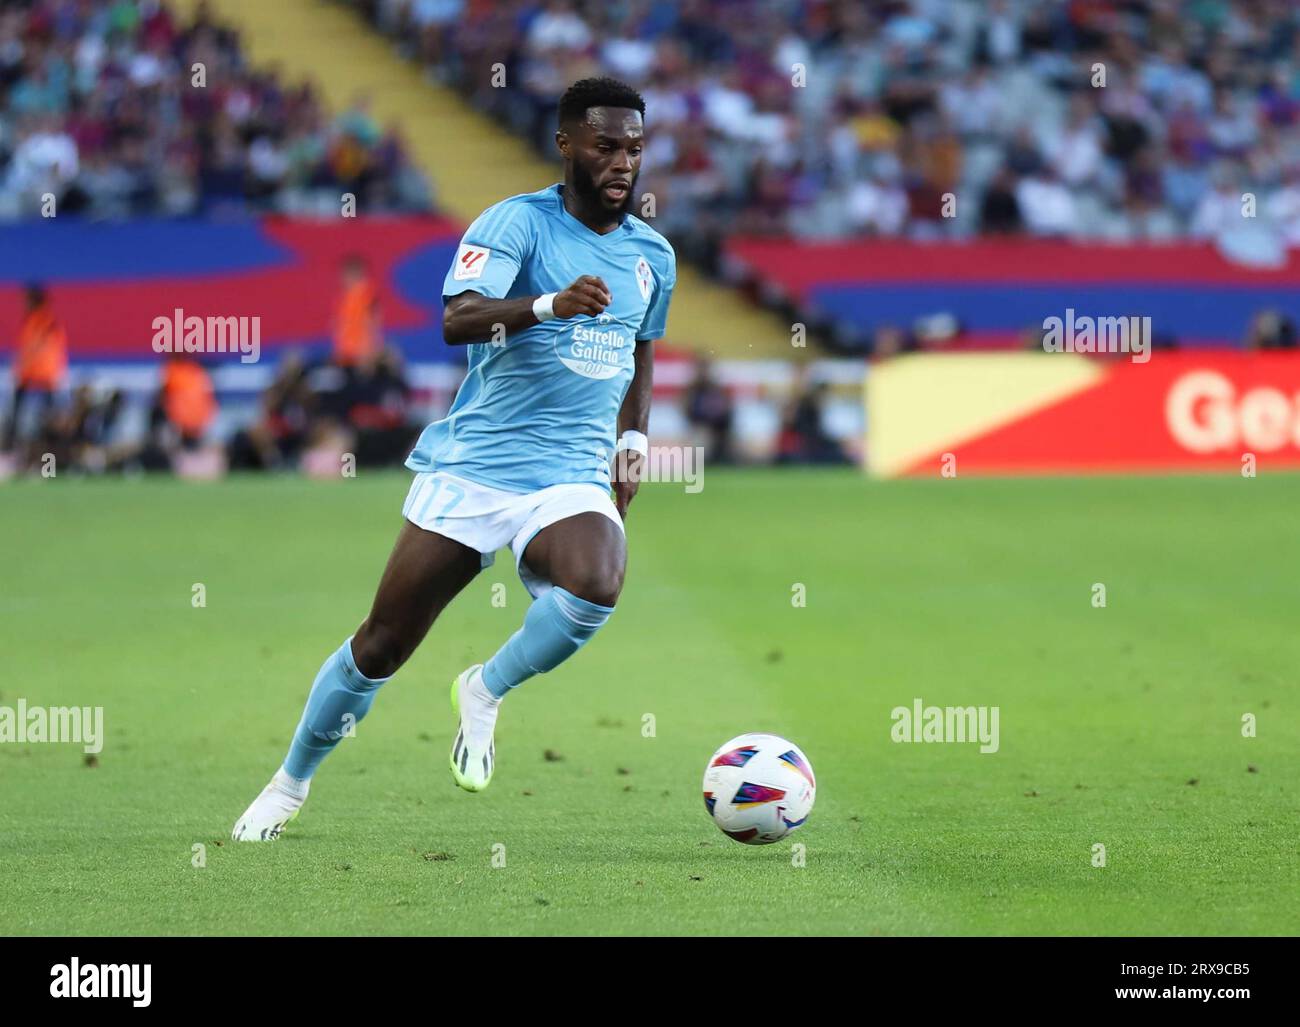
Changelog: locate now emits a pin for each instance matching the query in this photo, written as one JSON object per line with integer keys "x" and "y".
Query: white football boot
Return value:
{"x": 473, "y": 754}
{"x": 266, "y": 818}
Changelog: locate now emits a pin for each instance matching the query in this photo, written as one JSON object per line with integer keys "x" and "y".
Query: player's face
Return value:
{"x": 606, "y": 155}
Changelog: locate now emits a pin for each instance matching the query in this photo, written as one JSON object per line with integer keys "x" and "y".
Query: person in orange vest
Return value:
{"x": 358, "y": 328}
{"x": 186, "y": 398}
{"x": 42, "y": 361}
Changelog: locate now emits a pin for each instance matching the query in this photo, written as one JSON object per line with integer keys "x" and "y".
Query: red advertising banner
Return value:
{"x": 1063, "y": 413}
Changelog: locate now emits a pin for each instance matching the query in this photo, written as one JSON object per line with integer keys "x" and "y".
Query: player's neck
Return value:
{"x": 602, "y": 222}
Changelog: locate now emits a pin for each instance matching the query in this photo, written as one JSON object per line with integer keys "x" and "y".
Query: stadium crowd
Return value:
{"x": 325, "y": 416}
{"x": 354, "y": 402}
{"x": 1113, "y": 120}
{"x": 1087, "y": 119}
{"x": 118, "y": 108}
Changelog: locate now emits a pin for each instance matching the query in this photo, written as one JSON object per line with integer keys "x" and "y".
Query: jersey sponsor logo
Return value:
{"x": 470, "y": 261}
{"x": 644, "y": 278}
{"x": 598, "y": 347}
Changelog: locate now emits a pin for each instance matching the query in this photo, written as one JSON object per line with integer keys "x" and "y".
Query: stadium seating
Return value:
{"x": 114, "y": 111}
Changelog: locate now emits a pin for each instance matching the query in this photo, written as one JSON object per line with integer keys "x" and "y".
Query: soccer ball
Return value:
{"x": 759, "y": 788}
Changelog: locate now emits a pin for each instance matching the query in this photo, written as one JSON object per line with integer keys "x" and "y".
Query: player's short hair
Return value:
{"x": 597, "y": 92}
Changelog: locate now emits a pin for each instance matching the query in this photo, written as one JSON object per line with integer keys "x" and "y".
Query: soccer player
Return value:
{"x": 560, "y": 294}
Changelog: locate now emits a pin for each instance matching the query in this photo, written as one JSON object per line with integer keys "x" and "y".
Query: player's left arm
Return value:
{"x": 634, "y": 415}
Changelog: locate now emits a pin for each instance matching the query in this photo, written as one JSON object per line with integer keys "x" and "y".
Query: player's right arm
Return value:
{"x": 495, "y": 247}
{"x": 472, "y": 317}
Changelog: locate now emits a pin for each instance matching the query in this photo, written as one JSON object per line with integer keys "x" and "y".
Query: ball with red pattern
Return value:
{"x": 758, "y": 788}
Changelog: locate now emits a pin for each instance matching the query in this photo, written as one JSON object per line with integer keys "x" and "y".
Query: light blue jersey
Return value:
{"x": 541, "y": 408}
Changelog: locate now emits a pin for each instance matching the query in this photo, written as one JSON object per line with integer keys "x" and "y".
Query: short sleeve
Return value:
{"x": 491, "y": 252}
{"x": 656, "y": 316}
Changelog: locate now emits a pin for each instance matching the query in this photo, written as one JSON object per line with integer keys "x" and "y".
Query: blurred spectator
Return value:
{"x": 378, "y": 409}
{"x": 1076, "y": 152}
{"x": 81, "y": 438}
{"x": 1000, "y": 208}
{"x": 709, "y": 407}
{"x": 183, "y": 410}
{"x": 100, "y": 446}
{"x": 1046, "y": 205}
{"x": 275, "y": 440}
{"x": 364, "y": 410}
{"x": 878, "y": 206}
{"x": 185, "y": 402}
{"x": 1271, "y": 329}
{"x": 1284, "y": 206}
{"x": 802, "y": 438}
{"x": 45, "y": 159}
{"x": 1220, "y": 209}
{"x": 358, "y": 327}
{"x": 41, "y": 364}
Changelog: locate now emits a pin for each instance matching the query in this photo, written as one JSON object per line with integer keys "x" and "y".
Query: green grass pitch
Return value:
{"x": 1119, "y": 725}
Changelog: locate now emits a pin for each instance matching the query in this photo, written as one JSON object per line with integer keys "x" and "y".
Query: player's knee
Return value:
{"x": 599, "y": 584}
{"x": 379, "y": 649}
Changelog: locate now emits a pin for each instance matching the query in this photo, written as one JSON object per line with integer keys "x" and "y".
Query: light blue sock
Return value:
{"x": 339, "y": 698}
{"x": 555, "y": 627}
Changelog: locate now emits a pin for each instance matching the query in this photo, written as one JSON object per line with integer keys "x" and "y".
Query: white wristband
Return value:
{"x": 635, "y": 441}
{"x": 543, "y": 307}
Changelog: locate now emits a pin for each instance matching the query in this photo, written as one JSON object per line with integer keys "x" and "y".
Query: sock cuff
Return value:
{"x": 579, "y": 611}
{"x": 293, "y": 785}
{"x": 354, "y": 676}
